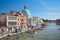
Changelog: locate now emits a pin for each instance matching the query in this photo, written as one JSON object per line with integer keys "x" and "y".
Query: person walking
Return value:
{"x": 2, "y": 32}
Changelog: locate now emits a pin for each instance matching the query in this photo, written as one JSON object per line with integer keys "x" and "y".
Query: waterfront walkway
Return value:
{"x": 6, "y": 33}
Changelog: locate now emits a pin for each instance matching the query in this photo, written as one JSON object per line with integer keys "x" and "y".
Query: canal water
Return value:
{"x": 50, "y": 32}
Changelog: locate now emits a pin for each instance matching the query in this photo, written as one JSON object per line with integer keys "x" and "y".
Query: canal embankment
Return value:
{"x": 11, "y": 34}
{"x": 12, "y": 37}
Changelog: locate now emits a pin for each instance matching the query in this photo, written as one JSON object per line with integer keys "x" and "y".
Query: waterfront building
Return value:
{"x": 36, "y": 21}
{"x": 18, "y": 20}
{"x": 14, "y": 20}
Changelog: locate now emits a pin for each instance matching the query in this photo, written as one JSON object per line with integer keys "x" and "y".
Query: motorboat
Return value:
{"x": 32, "y": 31}
{"x": 39, "y": 28}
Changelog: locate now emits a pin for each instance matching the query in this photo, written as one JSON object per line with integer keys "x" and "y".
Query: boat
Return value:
{"x": 39, "y": 28}
{"x": 32, "y": 31}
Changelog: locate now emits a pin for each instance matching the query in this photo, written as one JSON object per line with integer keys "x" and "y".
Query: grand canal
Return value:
{"x": 50, "y": 32}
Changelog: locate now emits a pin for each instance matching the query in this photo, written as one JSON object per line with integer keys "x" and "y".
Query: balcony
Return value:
{"x": 12, "y": 18}
{"x": 12, "y": 24}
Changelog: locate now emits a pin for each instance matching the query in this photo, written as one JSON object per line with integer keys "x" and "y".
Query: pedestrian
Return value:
{"x": 2, "y": 32}
{"x": 16, "y": 30}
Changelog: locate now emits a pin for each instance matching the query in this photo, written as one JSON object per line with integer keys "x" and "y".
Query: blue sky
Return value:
{"x": 47, "y": 9}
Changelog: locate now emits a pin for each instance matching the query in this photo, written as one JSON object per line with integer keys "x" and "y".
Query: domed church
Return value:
{"x": 26, "y": 12}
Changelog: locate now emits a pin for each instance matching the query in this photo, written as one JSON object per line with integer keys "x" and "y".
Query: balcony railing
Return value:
{"x": 11, "y": 18}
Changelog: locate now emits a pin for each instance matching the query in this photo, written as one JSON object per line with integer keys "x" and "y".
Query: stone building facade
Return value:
{"x": 15, "y": 19}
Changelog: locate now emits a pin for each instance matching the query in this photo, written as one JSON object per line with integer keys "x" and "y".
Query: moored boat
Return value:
{"x": 39, "y": 28}
{"x": 32, "y": 31}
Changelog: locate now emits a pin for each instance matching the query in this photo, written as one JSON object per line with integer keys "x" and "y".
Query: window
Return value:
{"x": 12, "y": 23}
{"x": 12, "y": 18}
{"x": 22, "y": 19}
{"x": 22, "y": 23}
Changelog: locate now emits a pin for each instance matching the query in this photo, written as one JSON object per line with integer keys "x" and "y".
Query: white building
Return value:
{"x": 36, "y": 21}
{"x": 12, "y": 21}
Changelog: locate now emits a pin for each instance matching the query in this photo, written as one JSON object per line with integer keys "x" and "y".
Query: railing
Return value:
{"x": 12, "y": 18}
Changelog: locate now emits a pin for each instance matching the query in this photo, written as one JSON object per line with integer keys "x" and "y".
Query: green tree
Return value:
{"x": 45, "y": 20}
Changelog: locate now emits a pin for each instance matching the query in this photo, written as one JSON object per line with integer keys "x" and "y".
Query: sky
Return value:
{"x": 47, "y": 9}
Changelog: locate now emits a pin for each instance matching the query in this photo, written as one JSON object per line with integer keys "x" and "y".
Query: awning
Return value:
{"x": 19, "y": 28}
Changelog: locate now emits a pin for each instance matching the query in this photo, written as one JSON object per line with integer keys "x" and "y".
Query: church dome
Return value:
{"x": 26, "y": 12}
